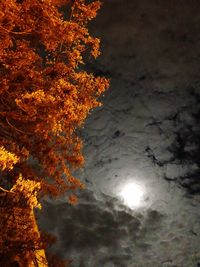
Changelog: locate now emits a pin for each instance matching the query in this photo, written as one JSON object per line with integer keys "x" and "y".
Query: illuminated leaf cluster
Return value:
{"x": 7, "y": 159}
{"x": 28, "y": 189}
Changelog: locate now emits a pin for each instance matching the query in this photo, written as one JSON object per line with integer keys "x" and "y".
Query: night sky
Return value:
{"x": 144, "y": 139}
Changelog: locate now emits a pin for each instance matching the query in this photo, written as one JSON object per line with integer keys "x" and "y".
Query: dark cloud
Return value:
{"x": 95, "y": 225}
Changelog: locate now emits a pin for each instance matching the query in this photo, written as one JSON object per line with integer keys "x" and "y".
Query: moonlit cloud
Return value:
{"x": 98, "y": 233}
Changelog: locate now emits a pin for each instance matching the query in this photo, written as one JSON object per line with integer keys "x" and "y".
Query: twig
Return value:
{"x": 28, "y": 32}
{"x": 13, "y": 126}
{"x": 4, "y": 190}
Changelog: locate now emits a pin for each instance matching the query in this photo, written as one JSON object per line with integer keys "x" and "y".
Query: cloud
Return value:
{"x": 105, "y": 228}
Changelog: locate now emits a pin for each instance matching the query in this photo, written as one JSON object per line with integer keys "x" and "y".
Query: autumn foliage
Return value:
{"x": 44, "y": 96}
{"x": 45, "y": 93}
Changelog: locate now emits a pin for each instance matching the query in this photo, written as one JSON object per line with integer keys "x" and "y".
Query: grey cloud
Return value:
{"x": 94, "y": 225}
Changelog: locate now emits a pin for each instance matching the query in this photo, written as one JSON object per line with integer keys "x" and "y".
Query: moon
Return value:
{"x": 132, "y": 195}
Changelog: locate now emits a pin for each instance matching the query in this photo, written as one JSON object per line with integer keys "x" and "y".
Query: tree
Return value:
{"x": 45, "y": 94}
